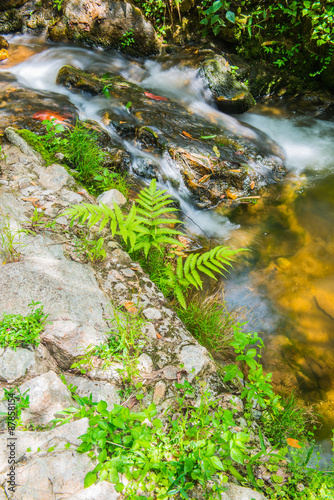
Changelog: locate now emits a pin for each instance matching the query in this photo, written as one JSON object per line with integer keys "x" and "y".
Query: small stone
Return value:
{"x": 128, "y": 272}
{"x": 170, "y": 372}
{"x": 145, "y": 364}
{"x": 70, "y": 196}
{"x": 55, "y": 177}
{"x": 195, "y": 358}
{"x": 24, "y": 183}
{"x": 109, "y": 197}
{"x": 152, "y": 313}
{"x": 60, "y": 156}
{"x": 62, "y": 220}
{"x": 159, "y": 392}
{"x": 118, "y": 256}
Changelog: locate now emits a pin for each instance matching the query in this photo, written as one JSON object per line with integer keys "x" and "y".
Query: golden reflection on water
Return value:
{"x": 292, "y": 239}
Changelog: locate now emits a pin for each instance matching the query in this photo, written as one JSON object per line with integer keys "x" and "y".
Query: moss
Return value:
{"x": 35, "y": 141}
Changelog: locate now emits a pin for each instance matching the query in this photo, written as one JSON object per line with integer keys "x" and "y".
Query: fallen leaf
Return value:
{"x": 293, "y": 442}
{"x": 50, "y": 115}
{"x": 155, "y": 97}
{"x": 130, "y": 307}
{"x": 188, "y": 135}
{"x": 235, "y": 171}
{"x": 159, "y": 336}
{"x": 252, "y": 185}
{"x": 32, "y": 200}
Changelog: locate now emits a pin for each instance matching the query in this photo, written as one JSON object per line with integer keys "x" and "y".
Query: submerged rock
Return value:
{"x": 107, "y": 24}
{"x": 216, "y": 155}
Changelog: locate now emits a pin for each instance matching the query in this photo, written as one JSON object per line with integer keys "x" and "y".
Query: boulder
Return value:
{"x": 11, "y": 4}
{"x": 109, "y": 197}
{"x": 230, "y": 95}
{"x": 108, "y": 24}
{"x": 47, "y": 396}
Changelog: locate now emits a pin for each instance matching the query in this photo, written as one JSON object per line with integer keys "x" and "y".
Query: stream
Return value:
{"x": 286, "y": 281}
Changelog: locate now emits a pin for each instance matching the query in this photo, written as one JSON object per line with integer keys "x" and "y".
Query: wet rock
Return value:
{"x": 235, "y": 157}
{"x": 105, "y": 24}
{"x": 3, "y": 43}
{"x": 101, "y": 391}
{"x": 47, "y": 396}
{"x": 3, "y": 54}
{"x": 325, "y": 301}
{"x": 230, "y": 95}
{"x": 11, "y": 4}
{"x": 15, "y": 364}
{"x": 109, "y": 197}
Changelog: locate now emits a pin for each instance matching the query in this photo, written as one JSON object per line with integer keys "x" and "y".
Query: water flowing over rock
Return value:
{"x": 216, "y": 155}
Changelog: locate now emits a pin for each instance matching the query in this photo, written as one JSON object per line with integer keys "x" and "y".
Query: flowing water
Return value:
{"x": 287, "y": 280}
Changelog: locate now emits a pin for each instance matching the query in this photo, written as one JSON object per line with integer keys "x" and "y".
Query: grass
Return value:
{"x": 37, "y": 143}
{"x": 210, "y": 323}
{"x": 21, "y": 331}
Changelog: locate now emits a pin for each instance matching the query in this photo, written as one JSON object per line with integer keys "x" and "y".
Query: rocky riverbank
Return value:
{"x": 81, "y": 301}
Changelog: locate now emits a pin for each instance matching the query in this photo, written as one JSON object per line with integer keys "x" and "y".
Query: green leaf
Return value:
{"x": 90, "y": 479}
{"x": 230, "y": 16}
{"x": 216, "y": 462}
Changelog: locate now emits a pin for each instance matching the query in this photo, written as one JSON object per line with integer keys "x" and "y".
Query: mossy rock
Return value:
{"x": 230, "y": 95}
{"x": 11, "y": 4}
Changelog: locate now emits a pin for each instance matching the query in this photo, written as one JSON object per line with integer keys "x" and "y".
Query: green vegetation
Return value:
{"x": 288, "y": 34}
{"x": 21, "y": 331}
{"x": 82, "y": 152}
{"x": 127, "y": 39}
{"x": 210, "y": 323}
{"x": 145, "y": 230}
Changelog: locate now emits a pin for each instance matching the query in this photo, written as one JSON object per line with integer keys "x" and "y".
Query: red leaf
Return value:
{"x": 155, "y": 97}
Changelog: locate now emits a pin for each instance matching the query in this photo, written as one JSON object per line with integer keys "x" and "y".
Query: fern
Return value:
{"x": 187, "y": 271}
{"x": 144, "y": 228}
{"x": 153, "y": 208}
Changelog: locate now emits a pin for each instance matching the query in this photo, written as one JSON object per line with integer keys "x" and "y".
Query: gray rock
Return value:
{"x": 152, "y": 313}
{"x": 42, "y": 440}
{"x": 109, "y": 197}
{"x": 70, "y": 196}
{"x": 120, "y": 257}
{"x": 14, "y": 364}
{"x": 18, "y": 141}
{"x": 100, "y": 491}
{"x": 195, "y": 359}
{"x": 47, "y": 396}
{"x": 145, "y": 364}
{"x": 101, "y": 391}
{"x": 159, "y": 392}
{"x": 235, "y": 492}
{"x": 55, "y": 177}
{"x": 51, "y": 475}
{"x": 66, "y": 340}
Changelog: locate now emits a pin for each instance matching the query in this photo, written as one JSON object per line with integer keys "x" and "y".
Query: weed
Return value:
{"x": 9, "y": 243}
{"x": 57, "y": 4}
{"x": 92, "y": 249}
{"x": 210, "y": 323}
{"x": 16, "y": 403}
{"x": 127, "y": 39}
{"x": 21, "y": 331}
{"x": 107, "y": 179}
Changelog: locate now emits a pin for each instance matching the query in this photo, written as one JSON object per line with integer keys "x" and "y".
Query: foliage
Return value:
{"x": 16, "y": 402}
{"x": 92, "y": 249}
{"x": 20, "y": 331}
{"x": 57, "y": 4}
{"x": 164, "y": 460}
{"x": 145, "y": 229}
{"x": 287, "y": 420}
{"x": 38, "y": 144}
{"x": 9, "y": 243}
{"x": 284, "y": 30}
{"x": 209, "y": 322}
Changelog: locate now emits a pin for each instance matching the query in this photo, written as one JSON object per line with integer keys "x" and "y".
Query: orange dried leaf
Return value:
{"x": 252, "y": 185}
{"x": 293, "y": 442}
{"x": 188, "y": 135}
{"x": 158, "y": 336}
{"x": 130, "y": 307}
